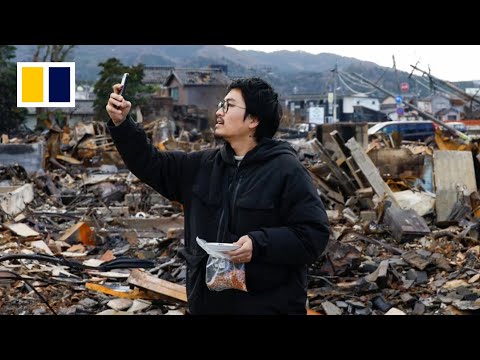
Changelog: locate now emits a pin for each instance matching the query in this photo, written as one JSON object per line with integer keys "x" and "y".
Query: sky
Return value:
{"x": 446, "y": 62}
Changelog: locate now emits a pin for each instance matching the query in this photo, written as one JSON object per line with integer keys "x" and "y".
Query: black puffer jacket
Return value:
{"x": 270, "y": 197}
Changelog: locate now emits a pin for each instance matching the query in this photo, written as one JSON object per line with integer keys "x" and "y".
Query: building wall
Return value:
{"x": 451, "y": 115}
{"x": 425, "y": 106}
{"x": 439, "y": 103}
{"x": 205, "y": 97}
{"x": 389, "y": 100}
{"x": 30, "y": 156}
{"x": 175, "y": 84}
{"x": 350, "y": 101}
{"x": 157, "y": 107}
{"x": 296, "y": 109}
{"x": 71, "y": 120}
{"x": 459, "y": 108}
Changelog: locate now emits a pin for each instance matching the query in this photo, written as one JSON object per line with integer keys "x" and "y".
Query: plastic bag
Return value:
{"x": 222, "y": 273}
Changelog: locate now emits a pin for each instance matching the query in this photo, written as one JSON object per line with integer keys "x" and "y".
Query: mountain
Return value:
{"x": 288, "y": 71}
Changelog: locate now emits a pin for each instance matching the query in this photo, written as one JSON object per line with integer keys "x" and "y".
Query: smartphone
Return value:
{"x": 124, "y": 83}
{"x": 124, "y": 86}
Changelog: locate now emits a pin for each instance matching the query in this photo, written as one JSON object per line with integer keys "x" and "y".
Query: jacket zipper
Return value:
{"x": 219, "y": 230}
{"x": 223, "y": 224}
{"x": 234, "y": 198}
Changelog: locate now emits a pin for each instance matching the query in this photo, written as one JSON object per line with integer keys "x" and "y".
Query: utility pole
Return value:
{"x": 335, "y": 75}
{"x": 450, "y": 86}
{"x": 461, "y": 135}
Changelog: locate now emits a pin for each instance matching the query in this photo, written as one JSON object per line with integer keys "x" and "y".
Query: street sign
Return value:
{"x": 400, "y": 111}
{"x": 398, "y": 99}
{"x": 316, "y": 115}
{"x": 404, "y": 87}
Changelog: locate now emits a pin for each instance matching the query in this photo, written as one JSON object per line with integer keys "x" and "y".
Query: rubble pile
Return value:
{"x": 80, "y": 234}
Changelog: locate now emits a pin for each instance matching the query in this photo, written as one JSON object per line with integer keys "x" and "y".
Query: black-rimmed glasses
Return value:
{"x": 224, "y": 105}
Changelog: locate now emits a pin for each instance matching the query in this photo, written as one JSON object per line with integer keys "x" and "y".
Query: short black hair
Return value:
{"x": 261, "y": 101}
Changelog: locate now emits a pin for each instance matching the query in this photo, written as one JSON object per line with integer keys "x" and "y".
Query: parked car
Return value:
{"x": 299, "y": 130}
{"x": 413, "y": 130}
{"x": 305, "y": 127}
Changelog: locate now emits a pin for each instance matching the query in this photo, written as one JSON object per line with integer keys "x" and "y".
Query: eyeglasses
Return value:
{"x": 224, "y": 105}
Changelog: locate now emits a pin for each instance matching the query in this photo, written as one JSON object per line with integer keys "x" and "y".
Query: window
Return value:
{"x": 410, "y": 128}
{"x": 390, "y": 128}
{"x": 428, "y": 127}
{"x": 174, "y": 93}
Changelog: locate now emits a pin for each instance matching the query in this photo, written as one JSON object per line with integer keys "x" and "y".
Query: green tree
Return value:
{"x": 111, "y": 73}
{"x": 10, "y": 115}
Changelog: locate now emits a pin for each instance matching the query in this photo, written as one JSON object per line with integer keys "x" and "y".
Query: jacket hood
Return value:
{"x": 266, "y": 149}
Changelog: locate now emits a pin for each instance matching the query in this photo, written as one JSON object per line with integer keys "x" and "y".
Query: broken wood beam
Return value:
{"x": 346, "y": 183}
{"x": 133, "y": 294}
{"x": 347, "y": 158}
{"x": 370, "y": 171}
{"x": 159, "y": 223}
{"x": 165, "y": 288}
{"x": 357, "y": 236}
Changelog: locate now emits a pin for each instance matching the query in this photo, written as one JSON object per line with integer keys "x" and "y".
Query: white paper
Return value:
{"x": 208, "y": 249}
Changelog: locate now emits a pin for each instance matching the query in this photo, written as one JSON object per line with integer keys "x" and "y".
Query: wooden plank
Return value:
{"x": 166, "y": 288}
{"x": 327, "y": 190}
{"x": 357, "y": 236}
{"x": 95, "y": 178}
{"x": 355, "y": 171}
{"x": 103, "y": 211}
{"x": 21, "y": 229}
{"x": 160, "y": 223}
{"x": 133, "y": 294}
{"x": 370, "y": 171}
{"x": 346, "y": 183}
{"x": 312, "y": 312}
{"x": 346, "y": 156}
{"x": 336, "y": 145}
{"x": 69, "y": 159}
{"x": 337, "y": 138}
{"x": 453, "y": 172}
